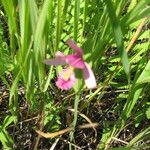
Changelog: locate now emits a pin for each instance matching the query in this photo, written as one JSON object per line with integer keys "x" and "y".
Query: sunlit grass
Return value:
{"x": 114, "y": 36}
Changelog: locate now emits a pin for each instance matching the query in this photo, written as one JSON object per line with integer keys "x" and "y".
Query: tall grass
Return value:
{"x": 37, "y": 31}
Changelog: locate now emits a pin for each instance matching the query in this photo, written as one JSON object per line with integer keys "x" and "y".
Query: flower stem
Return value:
{"x": 76, "y": 102}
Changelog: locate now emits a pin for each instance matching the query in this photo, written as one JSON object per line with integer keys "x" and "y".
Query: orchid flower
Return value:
{"x": 66, "y": 78}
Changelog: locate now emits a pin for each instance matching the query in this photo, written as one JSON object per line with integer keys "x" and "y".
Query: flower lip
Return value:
{"x": 67, "y": 74}
{"x": 66, "y": 84}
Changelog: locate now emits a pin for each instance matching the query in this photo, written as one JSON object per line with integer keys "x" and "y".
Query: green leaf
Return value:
{"x": 33, "y": 14}
{"x": 6, "y": 140}
{"x": 76, "y": 18}
{"x": 145, "y": 75}
{"x": 148, "y": 113}
{"x": 61, "y": 17}
{"x": 123, "y": 148}
{"x": 132, "y": 99}
{"x": 118, "y": 36}
{"x": 10, "y": 6}
{"x": 140, "y": 136}
{"x": 58, "y": 24}
{"x": 7, "y": 121}
{"x": 142, "y": 9}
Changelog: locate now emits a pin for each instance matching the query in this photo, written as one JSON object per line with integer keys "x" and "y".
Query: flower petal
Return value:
{"x": 89, "y": 77}
{"x": 59, "y": 54}
{"x": 74, "y": 46}
{"x": 75, "y": 61}
{"x": 58, "y": 60}
{"x": 65, "y": 84}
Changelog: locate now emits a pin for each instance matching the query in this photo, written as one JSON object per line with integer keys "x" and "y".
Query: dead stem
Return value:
{"x": 119, "y": 140}
{"x": 64, "y": 131}
{"x": 136, "y": 35}
{"x": 41, "y": 117}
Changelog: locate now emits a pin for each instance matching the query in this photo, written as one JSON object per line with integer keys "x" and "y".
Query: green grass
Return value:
{"x": 104, "y": 29}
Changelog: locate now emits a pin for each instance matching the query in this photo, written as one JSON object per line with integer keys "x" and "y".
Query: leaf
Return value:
{"x": 132, "y": 99}
{"x": 61, "y": 17}
{"x": 9, "y": 6}
{"x": 6, "y": 140}
{"x": 139, "y": 9}
{"x": 145, "y": 75}
{"x": 148, "y": 113}
{"x": 76, "y": 18}
{"x": 39, "y": 43}
{"x": 118, "y": 36}
{"x": 139, "y": 136}
{"x": 58, "y": 24}
{"x": 33, "y": 14}
{"x": 123, "y": 148}
{"x": 7, "y": 121}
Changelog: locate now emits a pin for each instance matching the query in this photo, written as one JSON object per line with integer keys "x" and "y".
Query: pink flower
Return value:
{"x": 66, "y": 79}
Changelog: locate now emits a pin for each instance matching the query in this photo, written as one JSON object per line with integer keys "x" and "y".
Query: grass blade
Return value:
{"x": 76, "y": 18}
{"x": 118, "y": 36}
{"x": 58, "y": 24}
{"x": 10, "y": 6}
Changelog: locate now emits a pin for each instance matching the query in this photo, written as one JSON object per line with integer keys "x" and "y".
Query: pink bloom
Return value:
{"x": 66, "y": 80}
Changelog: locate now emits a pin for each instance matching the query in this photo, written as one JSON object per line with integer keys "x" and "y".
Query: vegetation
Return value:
{"x": 36, "y": 113}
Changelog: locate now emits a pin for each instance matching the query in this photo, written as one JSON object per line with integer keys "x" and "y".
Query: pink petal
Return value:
{"x": 74, "y": 46}
{"x": 65, "y": 84}
{"x": 89, "y": 77}
{"x": 58, "y": 60}
{"x": 75, "y": 60}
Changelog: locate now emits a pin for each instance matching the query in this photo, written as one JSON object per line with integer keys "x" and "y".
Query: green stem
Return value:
{"x": 76, "y": 102}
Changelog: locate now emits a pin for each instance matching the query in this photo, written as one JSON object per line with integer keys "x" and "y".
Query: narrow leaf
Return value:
{"x": 118, "y": 36}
